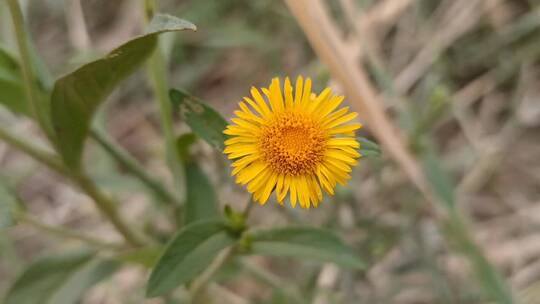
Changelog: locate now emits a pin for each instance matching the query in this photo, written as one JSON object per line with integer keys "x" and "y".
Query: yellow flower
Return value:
{"x": 298, "y": 145}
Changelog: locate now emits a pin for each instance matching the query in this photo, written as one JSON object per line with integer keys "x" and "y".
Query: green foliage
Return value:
{"x": 439, "y": 179}
{"x": 183, "y": 143}
{"x": 76, "y": 96}
{"x": 83, "y": 279}
{"x": 203, "y": 120}
{"x": 187, "y": 255}
{"x": 60, "y": 278}
{"x": 146, "y": 256}
{"x": 460, "y": 234}
{"x": 201, "y": 200}
{"x": 8, "y": 207}
{"x": 304, "y": 242}
{"x": 11, "y": 84}
{"x": 368, "y": 148}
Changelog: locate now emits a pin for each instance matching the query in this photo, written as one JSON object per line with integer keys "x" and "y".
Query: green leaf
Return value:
{"x": 76, "y": 96}
{"x": 440, "y": 181}
{"x": 304, "y": 242}
{"x": 8, "y": 207}
{"x": 183, "y": 143}
{"x": 203, "y": 120}
{"x": 146, "y": 256}
{"x": 187, "y": 255}
{"x": 368, "y": 148}
{"x": 45, "y": 276}
{"x": 90, "y": 274}
{"x": 201, "y": 201}
{"x": 12, "y": 94}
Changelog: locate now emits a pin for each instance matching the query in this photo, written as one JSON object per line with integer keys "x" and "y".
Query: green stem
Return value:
{"x": 487, "y": 275}
{"x": 26, "y": 62}
{"x": 158, "y": 78}
{"x": 289, "y": 290}
{"x": 199, "y": 284}
{"x": 68, "y": 234}
{"x": 46, "y": 158}
{"x": 126, "y": 160}
{"x": 108, "y": 208}
{"x": 103, "y": 202}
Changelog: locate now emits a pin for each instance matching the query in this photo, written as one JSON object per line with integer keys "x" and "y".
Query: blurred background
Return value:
{"x": 458, "y": 80}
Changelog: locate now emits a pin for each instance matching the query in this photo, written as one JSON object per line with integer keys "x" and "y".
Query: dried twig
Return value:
{"x": 323, "y": 36}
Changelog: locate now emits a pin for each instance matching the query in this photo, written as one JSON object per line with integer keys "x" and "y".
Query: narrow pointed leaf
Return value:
{"x": 368, "y": 148}
{"x": 438, "y": 178}
{"x": 203, "y": 120}
{"x": 76, "y": 96}
{"x": 201, "y": 201}
{"x": 8, "y": 207}
{"x": 304, "y": 243}
{"x": 187, "y": 255}
{"x": 12, "y": 94}
{"x": 83, "y": 279}
{"x": 45, "y": 276}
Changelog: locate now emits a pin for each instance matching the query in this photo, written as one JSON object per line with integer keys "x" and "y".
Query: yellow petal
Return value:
{"x": 343, "y": 141}
{"x": 293, "y": 188}
{"x": 257, "y": 183}
{"x": 250, "y": 172}
{"x": 329, "y": 106}
{"x": 270, "y": 183}
{"x": 339, "y": 155}
{"x": 341, "y": 120}
{"x": 289, "y": 101}
{"x": 306, "y": 95}
{"x": 260, "y": 101}
{"x": 322, "y": 98}
{"x": 275, "y": 96}
{"x": 344, "y": 129}
{"x": 240, "y": 139}
{"x": 298, "y": 90}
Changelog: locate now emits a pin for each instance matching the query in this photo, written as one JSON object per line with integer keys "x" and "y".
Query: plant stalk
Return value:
{"x": 68, "y": 234}
{"x": 103, "y": 202}
{"x": 46, "y": 158}
{"x": 199, "y": 284}
{"x": 108, "y": 208}
{"x": 126, "y": 160}
{"x": 158, "y": 79}
{"x": 26, "y": 64}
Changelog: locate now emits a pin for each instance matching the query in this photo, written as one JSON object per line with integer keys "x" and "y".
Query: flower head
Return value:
{"x": 293, "y": 142}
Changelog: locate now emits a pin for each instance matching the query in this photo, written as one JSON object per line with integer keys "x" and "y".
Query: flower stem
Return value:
{"x": 158, "y": 79}
{"x": 287, "y": 289}
{"x": 199, "y": 284}
{"x": 26, "y": 64}
{"x": 122, "y": 157}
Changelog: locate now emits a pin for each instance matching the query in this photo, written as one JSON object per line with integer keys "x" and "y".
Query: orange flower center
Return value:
{"x": 293, "y": 144}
